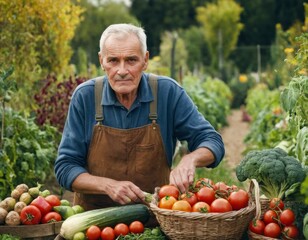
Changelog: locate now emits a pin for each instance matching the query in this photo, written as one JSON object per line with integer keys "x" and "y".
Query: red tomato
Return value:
{"x": 166, "y": 202}
{"x": 30, "y": 215}
{"x": 272, "y": 230}
{"x": 202, "y": 207}
{"x": 276, "y": 204}
{"x": 51, "y": 217}
{"x": 136, "y": 227}
{"x": 201, "y": 182}
{"x": 107, "y": 233}
{"x": 206, "y": 194}
{"x": 189, "y": 197}
{"x": 221, "y": 186}
{"x": 287, "y": 217}
{"x": 257, "y": 226}
{"x": 270, "y": 216}
{"x": 221, "y": 205}
{"x": 53, "y": 200}
{"x": 233, "y": 188}
{"x": 181, "y": 205}
{"x": 290, "y": 232}
{"x": 169, "y": 190}
{"x": 238, "y": 199}
{"x": 93, "y": 233}
{"x": 121, "y": 229}
{"x": 42, "y": 204}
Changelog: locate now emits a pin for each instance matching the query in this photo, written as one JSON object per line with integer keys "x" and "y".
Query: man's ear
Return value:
{"x": 146, "y": 60}
{"x": 100, "y": 58}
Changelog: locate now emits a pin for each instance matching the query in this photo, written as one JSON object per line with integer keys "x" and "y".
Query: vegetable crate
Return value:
{"x": 45, "y": 231}
{"x": 178, "y": 225}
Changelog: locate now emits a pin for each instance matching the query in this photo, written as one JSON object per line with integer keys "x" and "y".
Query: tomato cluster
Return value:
{"x": 109, "y": 233}
{"x": 276, "y": 222}
{"x": 204, "y": 196}
{"x": 30, "y": 206}
{"x": 40, "y": 210}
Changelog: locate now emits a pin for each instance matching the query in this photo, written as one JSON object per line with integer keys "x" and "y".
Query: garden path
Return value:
{"x": 233, "y": 136}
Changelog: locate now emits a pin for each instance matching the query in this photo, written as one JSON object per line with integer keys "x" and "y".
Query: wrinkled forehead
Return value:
{"x": 122, "y": 42}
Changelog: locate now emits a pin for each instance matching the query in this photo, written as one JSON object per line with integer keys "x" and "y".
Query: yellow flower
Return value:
{"x": 288, "y": 50}
{"x": 302, "y": 71}
{"x": 156, "y": 58}
{"x": 243, "y": 78}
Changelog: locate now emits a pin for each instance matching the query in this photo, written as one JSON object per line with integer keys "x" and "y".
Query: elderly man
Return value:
{"x": 121, "y": 130}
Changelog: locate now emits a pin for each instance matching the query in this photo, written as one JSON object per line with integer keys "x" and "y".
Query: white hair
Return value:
{"x": 124, "y": 29}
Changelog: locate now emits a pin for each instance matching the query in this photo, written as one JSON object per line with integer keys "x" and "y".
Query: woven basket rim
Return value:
{"x": 259, "y": 237}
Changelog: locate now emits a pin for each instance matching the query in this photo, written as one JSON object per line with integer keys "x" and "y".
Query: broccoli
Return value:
{"x": 274, "y": 170}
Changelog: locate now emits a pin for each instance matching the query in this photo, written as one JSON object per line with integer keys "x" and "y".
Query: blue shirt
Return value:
{"x": 178, "y": 118}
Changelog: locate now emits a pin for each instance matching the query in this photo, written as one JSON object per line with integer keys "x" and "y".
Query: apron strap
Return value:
{"x": 153, "y": 105}
{"x": 99, "y": 117}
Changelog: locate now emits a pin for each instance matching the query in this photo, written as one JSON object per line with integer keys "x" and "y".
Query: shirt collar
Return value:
{"x": 144, "y": 91}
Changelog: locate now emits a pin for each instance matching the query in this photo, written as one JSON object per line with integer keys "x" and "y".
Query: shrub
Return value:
{"x": 53, "y": 100}
{"x": 28, "y": 152}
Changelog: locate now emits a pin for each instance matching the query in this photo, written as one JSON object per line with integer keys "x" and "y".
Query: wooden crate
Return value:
{"x": 46, "y": 231}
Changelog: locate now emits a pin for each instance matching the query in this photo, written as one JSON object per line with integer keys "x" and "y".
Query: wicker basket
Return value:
{"x": 264, "y": 205}
{"x": 254, "y": 236}
{"x": 179, "y": 225}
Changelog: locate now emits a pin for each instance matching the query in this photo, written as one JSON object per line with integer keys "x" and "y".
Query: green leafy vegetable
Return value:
{"x": 276, "y": 172}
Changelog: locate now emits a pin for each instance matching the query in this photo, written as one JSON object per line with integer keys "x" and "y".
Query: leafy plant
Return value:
{"x": 28, "y": 152}
{"x": 6, "y": 88}
{"x": 212, "y": 97}
{"x": 268, "y": 126}
{"x": 53, "y": 100}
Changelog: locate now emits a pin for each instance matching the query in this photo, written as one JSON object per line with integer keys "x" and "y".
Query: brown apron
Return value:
{"x": 135, "y": 155}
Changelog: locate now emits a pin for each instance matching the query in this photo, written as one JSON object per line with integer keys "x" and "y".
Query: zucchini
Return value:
{"x": 104, "y": 217}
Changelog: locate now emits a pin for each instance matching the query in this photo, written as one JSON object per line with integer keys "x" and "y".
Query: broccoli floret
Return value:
{"x": 275, "y": 171}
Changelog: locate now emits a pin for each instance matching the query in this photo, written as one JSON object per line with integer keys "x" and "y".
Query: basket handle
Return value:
{"x": 255, "y": 184}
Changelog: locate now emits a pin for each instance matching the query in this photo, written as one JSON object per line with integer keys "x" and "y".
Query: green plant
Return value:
{"x": 278, "y": 174}
{"x": 6, "y": 89}
{"x": 28, "y": 151}
{"x": 212, "y": 97}
{"x": 53, "y": 100}
{"x": 269, "y": 124}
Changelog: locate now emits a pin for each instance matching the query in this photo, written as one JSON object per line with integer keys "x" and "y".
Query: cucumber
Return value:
{"x": 104, "y": 217}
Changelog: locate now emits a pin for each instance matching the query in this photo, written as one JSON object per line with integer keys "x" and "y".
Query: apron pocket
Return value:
{"x": 145, "y": 158}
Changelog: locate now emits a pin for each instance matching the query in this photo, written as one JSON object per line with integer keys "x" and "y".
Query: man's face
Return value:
{"x": 123, "y": 63}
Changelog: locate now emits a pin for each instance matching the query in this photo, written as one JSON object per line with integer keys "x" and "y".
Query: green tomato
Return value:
{"x": 156, "y": 231}
{"x": 65, "y": 202}
{"x": 78, "y": 209}
{"x": 79, "y": 236}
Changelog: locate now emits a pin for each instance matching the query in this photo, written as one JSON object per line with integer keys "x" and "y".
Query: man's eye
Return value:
{"x": 112, "y": 60}
{"x": 132, "y": 60}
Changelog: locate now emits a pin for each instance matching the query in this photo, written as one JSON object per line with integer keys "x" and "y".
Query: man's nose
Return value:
{"x": 122, "y": 70}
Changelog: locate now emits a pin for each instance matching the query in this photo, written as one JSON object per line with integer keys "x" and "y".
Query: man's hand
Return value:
{"x": 183, "y": 175}
{"x": 124, "y": 192}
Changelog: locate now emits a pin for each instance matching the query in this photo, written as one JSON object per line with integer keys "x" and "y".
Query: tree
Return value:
{"x": 158, "y": 16}
{"x": 197, "y": 53}
{"x": 94, "y": 20}
{"x": 173, "y": 53}
{"x": 34, "y": 38}
{"x": 221, "y": 27}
